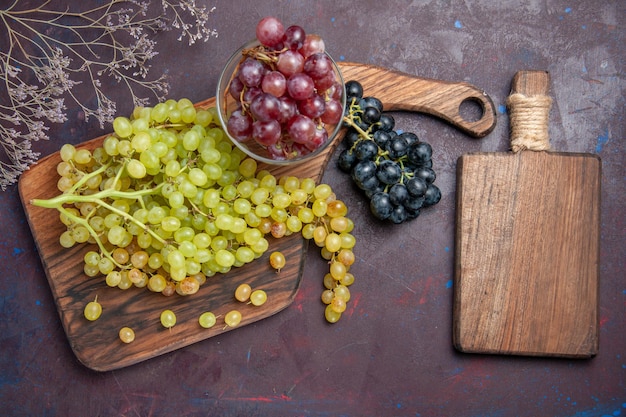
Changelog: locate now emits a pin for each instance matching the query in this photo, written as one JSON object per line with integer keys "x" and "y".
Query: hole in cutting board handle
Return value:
{"x": 471, "y": 110}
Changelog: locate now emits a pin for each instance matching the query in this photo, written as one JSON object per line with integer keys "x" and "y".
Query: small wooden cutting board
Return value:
{"x": 527, "y": 249}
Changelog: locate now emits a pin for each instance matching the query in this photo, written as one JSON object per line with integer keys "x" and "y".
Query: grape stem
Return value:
{"x": 98, "y": 198}
{"x": 86, "y": 177}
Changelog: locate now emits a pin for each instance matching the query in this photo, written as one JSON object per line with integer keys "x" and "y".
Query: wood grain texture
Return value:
{"x": 97, "y": 345}
{"x": 527, "y": 253}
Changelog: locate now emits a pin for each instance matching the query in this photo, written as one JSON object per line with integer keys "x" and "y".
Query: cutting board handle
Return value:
{"x": 402, "y": 92}
{"x": 529, "y": 108}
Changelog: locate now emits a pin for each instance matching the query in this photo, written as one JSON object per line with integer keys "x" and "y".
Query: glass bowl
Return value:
{"x": 291, "y": 153}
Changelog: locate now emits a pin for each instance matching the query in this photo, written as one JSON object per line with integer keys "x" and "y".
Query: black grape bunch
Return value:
{"x": 393, "y": 168}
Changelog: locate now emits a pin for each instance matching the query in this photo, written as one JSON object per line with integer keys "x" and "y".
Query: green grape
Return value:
{"x": 336, "y": 208}
{"x": 281, "y": 200}
{"x": 172, "y": 168}
{"x": 110, "y": 145}
{"x": 105, "y": 266}
{"x": 125, "y": 282}
{"x": 346, "y": 257}
{"x": 91, "y": 258}
{"x": 197, "y": 177}
{"x": 308, "y": 231}
{"x": 93, "y": 310}
{"x": 258, "y": 297}
{"x": 338, "y": 305}
{"x": 299, "y": 197}
{"x": 120, "y": 255}
{"x": 239, "y": 225}
{"x": 327, "y": 296}
{"x": 319, "y": 208}
{"x": 261, "y": 246}
{"x": 139, "y": 124}
{"x": 347, "y": 280}
{"x": 294, "y": 224}
{"x": 91, "y": 270}
{"x": 259, "y": 196}
{"x": 347, "y": 240}
{"x": 126, "y": 335}
{"x": 342, "y": 291}
{"x": 136, "y": 169}
{"x": 322, "y": 191}
{"x": 244, "y": 255}
{"x": 224, "y": 221}
{"x": 168, "y": 319}
{"x": 189, "y": 205}
{"x": 155, "y": 261}
{"x": 202, "y": 240}
{"x": 187, "y": 286}
{"x": 211, "y": 156}
{"x": 159, "y": 149}
{"x": 170, "y": 223}
{"x": 291, "y": 183}
{"x": 203, "y": 118}
{"x": 150, "y": 160}
{"x": 113, "y": 278}
{"x": 159, "y": 113}
{"x": 242, "y": 292}
{"x": 263, "y": 210}
{"x": 233, "y": 318}
{"x": 116, "y": 234}
{"x": 80, "y": 234}
{"x": 252, "y": 235}
{"x": 122, "y": 127}
{"x": 175, "y": 259}
{"x": 331, "y": 315}
{"x": 332, "y": 242}
{"x": 242, "y": 206}
{"x": 248, "y": 167}
{"x": 82, "y": 156}
{"x": 67, "y": 152}
{"x": 188, "y": 114}
{"x": 181, "y": 213}
{"x": 187, "y": 248}
{"x": 141, "y": 141}
{"x": 277, "y": 260}
{"x": 337, "y": 270}
{"x": 207, "y": 320}
{"x": 224, "y": 258}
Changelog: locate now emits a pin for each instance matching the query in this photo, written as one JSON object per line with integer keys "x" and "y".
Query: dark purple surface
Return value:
{"x": 391, "y": 354}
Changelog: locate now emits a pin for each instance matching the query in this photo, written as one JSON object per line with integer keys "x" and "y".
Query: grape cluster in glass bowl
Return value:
{"x": 281, "y": 97}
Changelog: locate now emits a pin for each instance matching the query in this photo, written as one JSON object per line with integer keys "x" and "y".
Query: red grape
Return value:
{"x": 312, "y": 45}
{"x": 274, "y": 83}
{"x": 294, "y": 37}
{"x": 239, "y": 125}
{"x": 318, "y": 65}
{"x": 288, "y": 108}
{"x": 312, "y": 107}
{"x": 301, "y": 128}
{"x": 266, "y": 132}
{"x": 265, "y": 106}
{"x": 290, "y": 62}
{"x": 270, "y": 31}
{"x": 300, "y": 86}
{"x": 333, "y": 111}
{"x": 250, "y": 72}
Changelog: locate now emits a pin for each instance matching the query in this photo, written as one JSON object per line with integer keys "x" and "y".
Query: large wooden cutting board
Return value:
{"x": 97, "y": 345}
{"x": 527, "y": 248}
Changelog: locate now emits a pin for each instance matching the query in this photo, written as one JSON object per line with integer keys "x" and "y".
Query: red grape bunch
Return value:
{"x": 287, "y": 92}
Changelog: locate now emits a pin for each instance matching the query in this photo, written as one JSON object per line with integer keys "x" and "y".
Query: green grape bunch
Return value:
{"x": 169, "y": 202}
